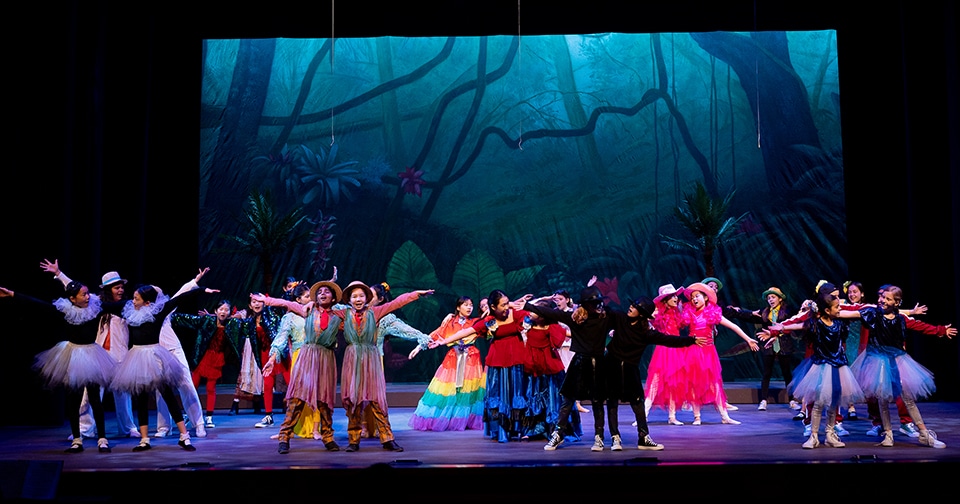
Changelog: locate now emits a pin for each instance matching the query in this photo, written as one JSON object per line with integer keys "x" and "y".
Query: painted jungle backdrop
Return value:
{"x": 529, "y": 164}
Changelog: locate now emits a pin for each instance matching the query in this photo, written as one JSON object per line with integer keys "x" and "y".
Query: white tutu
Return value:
{"x": 816, "y": 386}
{"x": 75, "y": 366}
{"x": 147, "y": 368}
{"x": 874, "y": 372}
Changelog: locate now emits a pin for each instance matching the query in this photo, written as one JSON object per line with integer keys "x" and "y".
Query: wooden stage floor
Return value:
{"x": 239, "y": 461}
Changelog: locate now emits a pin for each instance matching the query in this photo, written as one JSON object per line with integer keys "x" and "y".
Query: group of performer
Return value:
{"x": 521, "y": 390}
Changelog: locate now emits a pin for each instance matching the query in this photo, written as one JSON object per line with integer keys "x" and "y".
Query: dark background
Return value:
{"x": 104, "y": 143}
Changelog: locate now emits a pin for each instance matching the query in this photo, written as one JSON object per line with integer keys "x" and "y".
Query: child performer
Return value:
{"x": 313, "y": 378}
{"x": 828, "y": 381}
{"x": 885, "y": 371}
{"x": 454, "y": 398}
{"x": 631, "y": 336}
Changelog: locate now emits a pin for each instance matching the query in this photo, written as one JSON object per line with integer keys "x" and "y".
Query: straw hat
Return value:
{"x": 334, "y": 288}
{"x": 110, "y": 278}
{"x": 356, "y": 284}
{"x": 664, "y": 292}
{"x": 698, "y": 286}
{"x": 714, "y": 280}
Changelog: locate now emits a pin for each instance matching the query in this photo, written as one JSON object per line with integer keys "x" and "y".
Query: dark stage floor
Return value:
{"x": 236, "y": 460}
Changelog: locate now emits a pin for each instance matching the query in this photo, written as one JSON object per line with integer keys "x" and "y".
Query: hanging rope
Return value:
{"x": 520, "y": 71}
{"x": 333, "y": 50}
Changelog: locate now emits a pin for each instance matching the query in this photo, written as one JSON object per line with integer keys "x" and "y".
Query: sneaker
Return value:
{"x": 201, "y": 431}
{"x": 615, "y": 445}
{"x": 161, "y": 432}
{"x": 833, "y": 440}
{"x": 134, "y": 433}
{"x": 887, "y": 439}
{"x": 929, "y": 438}
{"x": 909, "y": 429}
{"x": 597, "y": 443}
{"x": 762, "y": 406}
{"x": 555, "y": 441}
{"x": 143, "y": 446}
{"x": 283, "y": 447}
{"x": 730, "y": 407}
{"x": 811, "y": 442}
{"x": 266, "y": 421}
{"x": 647, "y": 443}
{"x": 794, "y": 405}
{"x": 875, "y": 431}
{"x": 800, "y": 416}
{"x": 208, "y": 421}
{"x": 103, "y": 446}
{"x": 839, "y": 430}
{"x": 185, "y": 443}
{"x": 807, "y": 430}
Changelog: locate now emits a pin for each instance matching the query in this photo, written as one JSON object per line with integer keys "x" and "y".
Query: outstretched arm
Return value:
{"x": 457, "y": 336}
{"x": 735, "y": 328}
{"x": 54, "y": 267}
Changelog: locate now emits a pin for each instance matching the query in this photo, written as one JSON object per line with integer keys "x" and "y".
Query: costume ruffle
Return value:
{"x": 313, "y": 378}
{"x": 505, "y": 403}
{"x": 361, "y": 379}
{"x": 250, "y": 379}
{"x": 704, "y": 377}
{"x": 146, "y": 368}
{"x": 877, "y": 370}
{"x": 75, "y": 366}
{"x": 666, "y": 376}
{"x": 444, "y": 406}
{"x": 817, "y": 385}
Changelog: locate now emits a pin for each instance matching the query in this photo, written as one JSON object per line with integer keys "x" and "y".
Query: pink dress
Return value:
{"x": 704, "y": 376}
{"x": 666, "y": 376}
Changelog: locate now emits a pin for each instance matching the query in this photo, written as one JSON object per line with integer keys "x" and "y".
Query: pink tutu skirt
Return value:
{"x": 666, "y": 377}
{"x": 816, "y": 386}
{"x": 146, "y": 368}
{"x": 75, "y": 366}
{"x": 313, "y": 378}
{"x": 704, "y": 377}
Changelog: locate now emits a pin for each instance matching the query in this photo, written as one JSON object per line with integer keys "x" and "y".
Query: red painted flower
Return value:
{"x": 410, "y": 180}
{"x": 608, "y": 287}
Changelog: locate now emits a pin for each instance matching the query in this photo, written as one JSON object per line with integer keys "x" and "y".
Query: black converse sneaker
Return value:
{"x": 555, "y": 441}
{"x": 647, "y": 443}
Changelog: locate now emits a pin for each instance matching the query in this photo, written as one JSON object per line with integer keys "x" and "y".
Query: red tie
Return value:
{"x": 324, "y": 319}
{"x": 106, "y": 340}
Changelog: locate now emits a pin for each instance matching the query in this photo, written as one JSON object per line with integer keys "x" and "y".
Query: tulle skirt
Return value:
{"x": 362, "y": 376}
{"x": 447, "y": 406}
{"x": 886, "y": 373}
{"x": 704, "y": 377}
{"x": 826, "y": 384}
{"x": 313, "y": 378}
{"x": 666, "y": 376}
{"x": 75, "y": 366}
{"x": 147, "y": 368}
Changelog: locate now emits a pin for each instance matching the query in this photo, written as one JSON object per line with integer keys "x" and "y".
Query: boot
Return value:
{"x": 832, "y": 439}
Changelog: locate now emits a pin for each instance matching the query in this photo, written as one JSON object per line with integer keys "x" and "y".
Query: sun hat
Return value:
{"x": 775, "y": 291}
{"x": 689, "y": 290}
{"x": 664, "y": 292}
{"x": 356, "y": 284}
{"x": 110, "y": 278}
{"x": 714, "y": 280}
{"x": 334, "y": 288}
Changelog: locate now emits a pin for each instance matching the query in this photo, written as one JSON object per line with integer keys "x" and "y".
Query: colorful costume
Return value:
{"x": 704, "y": 375}
{"x": 454, "y": 398}
{"x": 545, "y": 373}
{"x": 666, "y": 384}
{"x": 505, "y": 402}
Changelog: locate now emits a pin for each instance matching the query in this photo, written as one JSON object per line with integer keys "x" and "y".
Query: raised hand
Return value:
{"x": 200, "y": 274}
{"x": 51, "y": 267}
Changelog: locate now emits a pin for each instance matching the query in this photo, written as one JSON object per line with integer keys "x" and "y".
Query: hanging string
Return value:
{"x": 333, "y": 50}
{"x": 520, "y": 71}
{"x": 756, "y": 71}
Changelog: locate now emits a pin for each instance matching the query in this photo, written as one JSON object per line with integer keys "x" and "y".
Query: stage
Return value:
{"x": 238, "y": 461}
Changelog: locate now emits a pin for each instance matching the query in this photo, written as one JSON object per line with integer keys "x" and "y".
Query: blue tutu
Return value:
{"x": 826, "y": 384}
{"x": 886, "y": 373}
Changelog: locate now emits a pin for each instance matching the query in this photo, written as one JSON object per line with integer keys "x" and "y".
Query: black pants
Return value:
{"x": 73, "y": 400}
{"x": 141, "y": 404}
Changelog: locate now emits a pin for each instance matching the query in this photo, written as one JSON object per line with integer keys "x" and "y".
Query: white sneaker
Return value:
{"x": 833, "y": 440}
{"x": 615, "y": 445}
{"x": 134, "y": 433}
{"x": 555, "y": 441}
{"x": 875, "y": 431}
{"x": 794, "y": 405}
{"x": 266, "y": 421}
{"x": 597, "y": 443}
{"x": 929, "y": 438}
{"x": 209, "y": 422}
{"x": 838, "y": 428}
{"x": 909, "y": 429}
{"x": 201, "y": 431}
{"x": 162, "y": 432}
{"x": 807, "y": 430}
{"x": 762, "y": 406}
